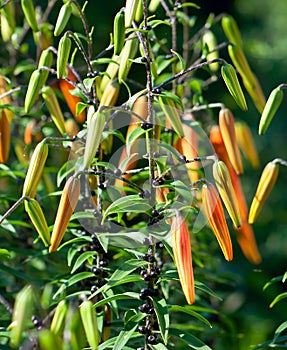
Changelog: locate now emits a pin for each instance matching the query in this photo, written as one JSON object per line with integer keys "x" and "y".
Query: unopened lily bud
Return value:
{"x": 265, "y": 186}
{"x": 119, "y": 32}
{"x": 153, "y": 5}
{"x": 214, "y": 213}
{"x": 49, "y": 341}
{"x": 36, "y": 82}
{"x": 128, "y": 53}
{"x": 64, "y": 49}
{"x": 63, "y": 18}
{"x": 94, "y": 136}
{"x": 6, "y": 100}
{"x": 58, "y": 321}
{"x": 231, "y": 30}
{"x": 67, "y": 205}
{"x": 230, "y": 78}
{"x": 22, "y": 313}
{"x": 209, "y": 44}
{"x": 89, "y": 320}
{"x": 7, "y": 19}
{"x": 107, "y": 320}
{"x": 171, "y": 111}
{"x": 224, "y": 185}
{"x": 38, "y": 219}
{"x": 246, "y": 143}
{"x": 227, "y": 129}
{"x": 35, "y": 169}
{"x": 30, "y": 14}
{"x": 110, "y": 94}
{"x": 46, "y": 60}
{"x": 130, "y": 11}
{"x": 271, "y": 107}
{"x": 4, "y": 137}
{"x": 54, "y": 108}
{"x": 182, "y": 255}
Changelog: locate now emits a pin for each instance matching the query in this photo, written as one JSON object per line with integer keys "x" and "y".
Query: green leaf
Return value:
{"x": 124, "y": 296}
{"x": 188, "y": 309}
{"x": 279, "y": 330}
{"x": 73, "y": 280}
{"x": 272, "y": 281}
{"x": 180, "y": 58}
{"x": 81, "y": 106}
{"x": 7, "y": 226}
{"x": 127, "y": 204}
{"x": 162, "y": 315}
{"x": 4, "y": 254}
{"x": 204, "y": 288}
{"x": 81, "y": 259}
{"x": 132, "y": 137}
{"x": 278, "y": 298}
{"x": 158, "y": 347}
{"x": 190, "y": 340}
{"x": 182, "y": 190}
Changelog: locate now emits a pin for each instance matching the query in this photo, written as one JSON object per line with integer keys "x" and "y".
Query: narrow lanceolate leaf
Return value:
{"x": 67, "y": 205}
{"x": 64, "y": 49}
{"x": 171, "y": 111}
{"x": 130, "y": 11}
{"x": 119, "y": 32}
{"x": 182, "y": 255}
{"x": 22, "y": 312}
{"x": 63, "y": 18}
{"x": 36, "y": 82}
{"x": 231, "y": 30}
{"x": 250, "y": 81}
{"x": 59, "y": 318}
{"x": 271, "y": 107}
{"x": 89, "y": 320}
{"x": 213, "y": 211}
{"x": 38, "y": 219}
{"x": 265, "y": 185}
{"x": 54, "y": 108}
{"x": 227, "y": 129}
{"x": 94, "y": 136}
{"x": 209, "y": 44}
{"x": 246, "y": 143}
{"x": 30, "y": 14}
{"x": 224, "y": 185}
{"x": 35, "y": 169}
{"x": 230, "y": 78}
{"x": 128, "y": 53}
{"x": 4, "y": 137}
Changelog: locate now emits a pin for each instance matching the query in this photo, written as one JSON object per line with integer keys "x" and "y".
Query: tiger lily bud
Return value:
{"x": 49, "y": 341}
{"x": 6, "y": 100}
{"x": 171, "y": 111}
{"x": 35, "y": 169}
{"x": 265, "y": 185}
{"x": 54, "y": 108}
{"x": 22, "y": 312}
{"x": 30, "y": 14}
{"x": 246, "y": 144}
{"x": 224, "y": 185}
{"x": 89, "y": 320}
{"x": 128, "y": 53}
{"x": 209, "y": 45}
{"x": 182, "y": 255}
{"x": 272, "y": 104}
{"x": 110, "y": 94}
{"x": 130, "y": 11}
{"x": 4, "y": 137}
{"x": 119, "y": 32}
{"x": 94, "y": 136}
{"x": 46, "y": 60}
{"x": 227, "y": 129}
{"x": 107, "y": 320}
{"x": 38, "y": 219}
{"x": 64, "y": 49}
{"x": 214, "y": 213}
{"x": 67, "y": 205}
{"x": 63, "y": 18}
{"x": 36, "y": 82}
{"x": 230, "y": 78}
{"x": 58, "y": 321}
{"x": 231, "y": 30}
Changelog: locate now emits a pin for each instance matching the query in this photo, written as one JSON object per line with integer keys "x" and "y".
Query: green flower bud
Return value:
{"x": 64, "y": 49}
{"x": 30, "y": 14}
{"x": 63, "y": 18}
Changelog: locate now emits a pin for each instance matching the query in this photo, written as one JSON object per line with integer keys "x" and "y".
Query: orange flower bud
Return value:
{"x": 182, "y": 255}
{"x": 226, "y": 190}
{"x": 227, "y": 128}
{"x": 266, "y": 183}
{"x": 213, "y": 211}
{"x": 4, "y": 137}
{"x": 67, "y": 205}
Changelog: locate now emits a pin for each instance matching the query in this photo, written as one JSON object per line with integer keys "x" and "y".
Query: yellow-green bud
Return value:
{"x": 64, "y": 49}
{"x": 30, "y": 14}
{"x": 63, "y": 18}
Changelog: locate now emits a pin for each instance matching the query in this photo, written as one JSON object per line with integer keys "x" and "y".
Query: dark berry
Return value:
{"x": 146, "y": 241}
{"x": 94, "y": 289}
{"x": 143, "y": 273}
{"x": 145, "y": 257}
{"x": 154, "y": 213}
{"x": 159, "y": 245}
{"x": 147, "y": 277}
{"x": 36, "y": 321}
{"x": 142, "y": 329}
{"x": 157, "y": 90}
{"x": 102, "y": 186}
{"x": 151, "y": 339}
{"x": 96, "y": 271}
{"x": 104, "y": 262}
{"x": 144, "y": 59}
{"x": 182, "y": 159}
{"x": 156, "y": 154}
{"x": 117, "y": 172}
{"x": 160, "y": 181}
{"x": 151, "y": 259}
{"x": 141, "y": 195}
